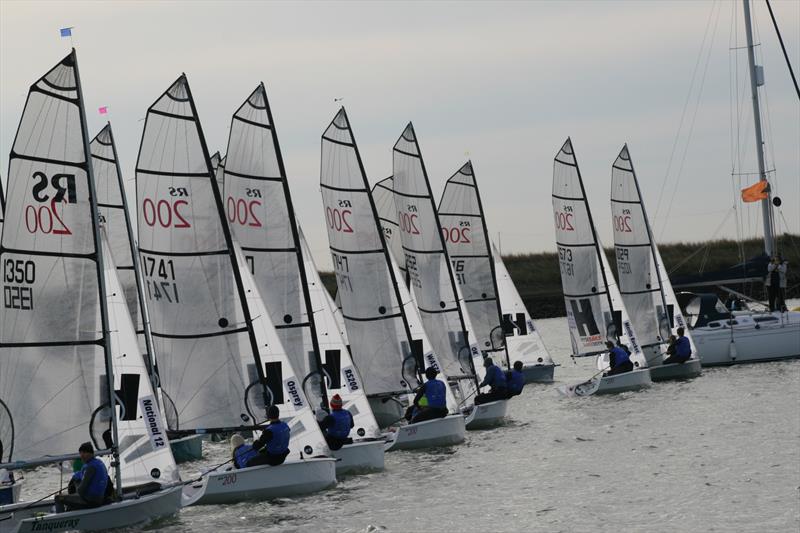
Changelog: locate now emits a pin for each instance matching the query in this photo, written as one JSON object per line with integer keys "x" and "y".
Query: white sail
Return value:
{"x": 522, "y": 338}
{"x": 144, "y": 450}
{"x": 52, "y": 352}
{"x": 337, "y": 314}
{"x": 2, "y": 205}
{"x": 595, "y": 311}
{"x": 342, "y": 376}
{"x": 643, "y": 281}
{"x": 215, "y": 160}
{"x": 383, "y": 195}
{"x": 465, "y": 234}
{"x": 219, "y": 174}
{"x": 284, "y": 384}
{"x": 207, "y": 353}
{"x": 429, "y": 269}
{"x": 258, "y": 206}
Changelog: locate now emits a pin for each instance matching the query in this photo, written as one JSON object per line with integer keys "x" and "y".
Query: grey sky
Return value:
{"x": 504, "y": 82}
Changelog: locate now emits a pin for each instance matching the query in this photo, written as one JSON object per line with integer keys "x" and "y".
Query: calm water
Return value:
{"x": 719, "y": 453}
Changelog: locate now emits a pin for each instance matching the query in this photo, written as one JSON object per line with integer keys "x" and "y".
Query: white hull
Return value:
{"x": 262, "y": 482}
{"x": 429, "y": 434}
{"x": 387, "y": 411}
{"x": 487, "y": 415}
{"x": 360, "y": 457}
{"x": 126, "y": 513}
{"x": 750, "y": 345}
{"x": 539, "y": 373}
{"x": 688, "y": 370}
{"x": 629, "y": 381}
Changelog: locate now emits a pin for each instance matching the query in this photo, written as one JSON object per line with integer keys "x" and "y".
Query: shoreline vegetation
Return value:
{"x": 538, "y": 279}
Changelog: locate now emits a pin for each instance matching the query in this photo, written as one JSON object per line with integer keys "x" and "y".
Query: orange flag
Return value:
{"x": 754, "y": 193}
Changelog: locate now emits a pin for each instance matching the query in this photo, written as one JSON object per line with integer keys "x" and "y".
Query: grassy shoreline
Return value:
{"x": 538, "y": 279}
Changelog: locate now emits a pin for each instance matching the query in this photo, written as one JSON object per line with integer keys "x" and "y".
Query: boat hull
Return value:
{"x": 387, "y": 411}
{"x": 629, "y": 381}
{"x": 487, "y": 415}
{"x": 749, "y": 345}
{"x": 262, "y": 482}
{"x": 129, "y": 512}
{"x": 445, "y": 431}
{"x": 538, "y": 373}
{"x": 688, "y": 370}
{"x": 360, "y": 457}
{"x": 187, "y": 449}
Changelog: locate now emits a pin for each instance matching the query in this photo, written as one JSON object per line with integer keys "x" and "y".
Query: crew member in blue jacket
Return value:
{"x": 430, "y": 401}
{"x": 271, "y": 448}
{"x": 683, "y": 349}
{"x": 90, "y": 483}
{"x": 619, "y": 358}
{"x": 496, "y": 380}
{"x": 515, "y": 380}
{"x": 337, "y": 425}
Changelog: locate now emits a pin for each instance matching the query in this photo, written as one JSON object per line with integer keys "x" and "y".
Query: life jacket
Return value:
{"x": 516, "y": 381}
{"x": 242, "y": 454}
{"x": 683, "y": 348}
{"x": 496, "y": 378}
{"x": 436, "y": 393}
{"x": 97, "y": 486}
{"x": 342, "y": 420}
{"x": 279, "y": 444}
{"x": 619, "y": 357}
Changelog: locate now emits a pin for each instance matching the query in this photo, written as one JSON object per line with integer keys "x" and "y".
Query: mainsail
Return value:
{"x": 429, "y": 269}
{"x": 595, "y": 311}
{"x": 383, "y": 195}
{"x": 466, "y": 236}
{"x": 522, "y": 338}
{"x": 219, "y": 174}
{"x": 643, "y": 281}
{"x": 259, "y": 209}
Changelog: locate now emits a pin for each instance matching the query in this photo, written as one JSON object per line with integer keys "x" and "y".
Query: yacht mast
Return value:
{"x": 766, "y": 204}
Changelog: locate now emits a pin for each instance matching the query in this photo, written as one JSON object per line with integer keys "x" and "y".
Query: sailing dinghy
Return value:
{"x": 70, "y": 311}
{"x": 643, "y": 281}
{"x": 590, "y": 293}
{"x": 432, "y": 281}
{"x": 221, "y": 361}
{"x": 522, "y": 338}
{"x": 389, "y": 359}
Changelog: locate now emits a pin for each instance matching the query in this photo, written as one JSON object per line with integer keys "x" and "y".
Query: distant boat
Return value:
{"x": 70, "y": 365}
{"x": 643, "y": 281}
{"x": 389, "y": 359}
{"x": 220, "y": 359}
{"x": 595, "y": 310}
{"x": 725, "y": 337}
{"x": 522, "y": 338}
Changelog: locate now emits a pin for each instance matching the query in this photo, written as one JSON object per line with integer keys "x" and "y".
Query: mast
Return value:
{"x": 137, "y": 272}
{"x": 766, "y": 203}
{"x": 101, "y": 282}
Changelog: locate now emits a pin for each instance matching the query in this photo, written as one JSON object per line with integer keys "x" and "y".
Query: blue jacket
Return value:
{"x": 683, "y": 348}
{"x": 342, "y": 422}
{"x": 494, "y": 378}
{"x": 516, "y": 381}
{"x": 243, "y": 454}
{"x": 96, "y": 489}
{"x": 279, "y": 443}
{"x": 436, "y": 393}
{"x": 619, "y": 356}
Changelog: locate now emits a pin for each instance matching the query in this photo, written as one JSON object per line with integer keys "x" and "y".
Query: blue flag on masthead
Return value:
{"x": 66, "y": 32}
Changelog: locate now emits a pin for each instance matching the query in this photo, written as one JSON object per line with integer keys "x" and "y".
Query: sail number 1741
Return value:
{"x": 159, "y": 279}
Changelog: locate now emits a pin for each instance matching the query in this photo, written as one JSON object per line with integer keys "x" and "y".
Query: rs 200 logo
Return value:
{"x": 50, "y": 195}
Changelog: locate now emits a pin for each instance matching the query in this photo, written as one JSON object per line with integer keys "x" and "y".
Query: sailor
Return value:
{"x": 619, "y": 358}
{"x": 496, "y": 380}
{"x": 776, "y": 283}
{"x": 430, "y": 401}
{"x": 241, "y": 453}
{"x": 337, "y": 425}
{"x": 273, "y": 444}
{"x": 682, "y": 349}
{"x": 90, "y": 484}
{"x": 515, "y": 380}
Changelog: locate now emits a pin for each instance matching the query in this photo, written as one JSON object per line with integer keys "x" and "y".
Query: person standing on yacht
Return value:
{"x": 776, "y": 283}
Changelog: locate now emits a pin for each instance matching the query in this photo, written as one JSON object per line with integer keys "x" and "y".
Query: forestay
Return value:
{"x": 52, "y": 353}
{"x": 341, "y": 375}
{"x": 429, "y": 269}
{"x": 523, "y": 339}
{"x": 465, "y": 233}
{"x": 595, "y": 311}
{"x": 259, "y": 209}
{"x": 208, "y": 356}
{"x": 376, "y": 326}
{"x": 643, "y": 281}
